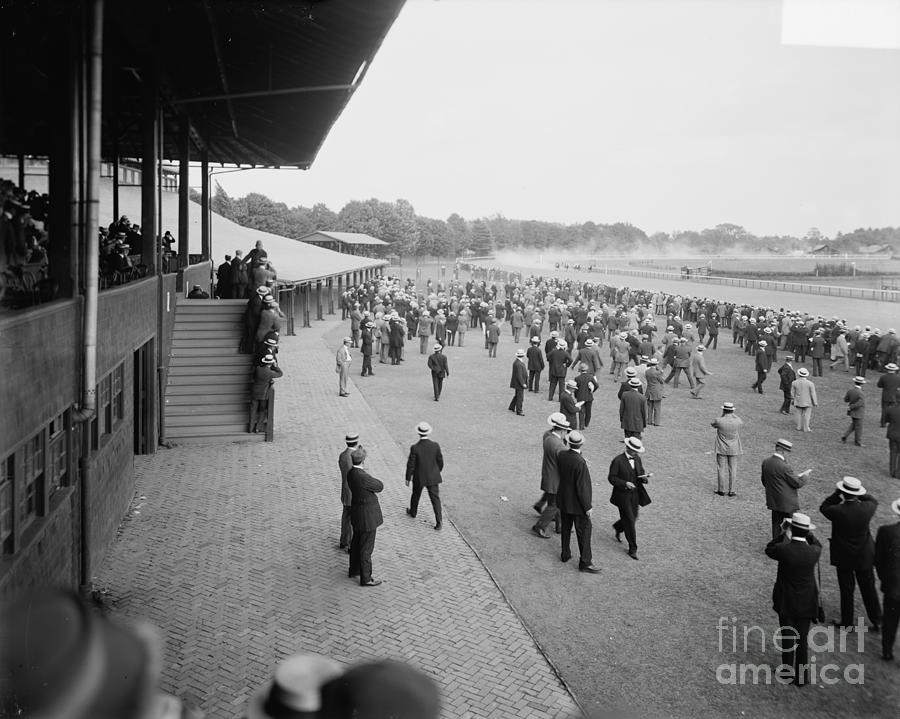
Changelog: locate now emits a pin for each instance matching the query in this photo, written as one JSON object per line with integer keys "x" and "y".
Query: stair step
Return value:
{"x": 193, "y": 319}
{"x": 197, "y": 431}
{"x": 205, "y": 387}
{"x": 209, "y": 420}
{"x": 210, "y": 348}
{"x": 205, "y": 324}
{"x": 202, "y": 366}
{"x": 192, "y": 409}
{"x": 232, "y": 396}
{"x": 223, "y": 438}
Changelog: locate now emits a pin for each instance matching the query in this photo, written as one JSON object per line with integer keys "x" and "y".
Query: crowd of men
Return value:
{"x": 565, "y": 324}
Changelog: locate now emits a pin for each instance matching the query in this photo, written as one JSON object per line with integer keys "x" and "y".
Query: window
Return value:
{"x": 118, "y": 393}
{"x": 104, "y": 406}
{"x": 31, "y": 499}
{"x": 58, "y": 453}
{"x": 7, "y": 477}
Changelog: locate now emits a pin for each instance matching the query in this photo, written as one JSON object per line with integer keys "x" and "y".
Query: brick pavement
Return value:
{"x": 231, "y": 549}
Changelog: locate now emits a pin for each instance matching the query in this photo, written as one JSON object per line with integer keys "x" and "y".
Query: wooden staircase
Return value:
{"x": 208, "y": 387}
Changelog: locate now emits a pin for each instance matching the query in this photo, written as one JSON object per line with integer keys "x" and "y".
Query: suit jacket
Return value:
{"x": 365, "y": 511}
{"x": 519, "y": 378}
{"x": 574, "y": 493}
{"x": 437, "y": 363}
{"x": 788, "y": 375}
{"x": 856, "y": 401}
{"x": 892, "y": 417}
{"x": 763, "y": 362}
{"x": 263, "y": 376}
{"x": 535, "y": 359}
{"x": 781, "y": 483}
{"x": 558, "y": 360}
{"x": 889, "y": 384}
{"x": 887, "y": 559}
{"x": 342, "y": 356}
{"x": 728, "y": 438}
{"x": 553, "y": 445}
{"x": 655, "y": 384}
{"x": 795, "y": 593}
{"x": 587, "y": 385}
{"x": 425, "y": 463}
{"x": 698, "y": 365}
{"x": 852, "y": 546}
{"x": 632, "y": 411}
{"x": 345, "y": 464}
{"x": 567, "y": 406}
{"x": 620, "y": 472}
{"x": 803, "y": 393}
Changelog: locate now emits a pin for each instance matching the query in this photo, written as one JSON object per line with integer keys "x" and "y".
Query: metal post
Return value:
{"x": 205, "y": 218}
{"x": 184, "y": 220}
{"x": 331, "y": 295}
{"x": 150, "y": 255}
{"x": 319, "y": 315}
{"x": 270, "y": 414}
{"x": 305, "y": 305}
{"x": 115, "y": 177}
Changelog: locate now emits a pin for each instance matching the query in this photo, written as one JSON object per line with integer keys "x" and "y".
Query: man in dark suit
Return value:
{"x": 558, "y": 361}
{"x": 423, "y": 469}
{"x": 517, "y": 383}
{"x": 781, "y": 483}
{"x": 437, "y": 363}
{"x": 763, "y": 364}
{"x": 345, "y": 464}
{"x": 887, "y": 562}
{"x": 584, "y": 392}
{"x": 554, "y": 443}
{"x": 788, "y": 375}
{"x": 795, "y": 597}
{"x": 573, "y": 498}
{"x": 535, "y": 364}
{"x": 856, "y": 410}
{"x": 892, "y": 420}
{"x": 633, "y": 410}
{"x": 851, "y": 510}
{"x": 568, "y": 405}
{"x": 627, "y": 477}
{"x": 365, "y": 516}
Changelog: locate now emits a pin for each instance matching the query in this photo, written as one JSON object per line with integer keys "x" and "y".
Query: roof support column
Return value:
{"x": 150, "y": 247}
{"x": 319, "y": 315}
{"x": 184, "y": 220}
{"x": 205, "y": 238}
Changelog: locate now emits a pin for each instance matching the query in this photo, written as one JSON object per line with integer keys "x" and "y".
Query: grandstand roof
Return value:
{"x": 348, "y": 238}
{"x": 261, "y": 83}
{"x": 293, "y": 261}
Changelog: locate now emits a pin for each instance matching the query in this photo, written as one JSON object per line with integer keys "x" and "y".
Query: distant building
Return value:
{"x": 823, "y": 250}
{"x": 348, "y": 243}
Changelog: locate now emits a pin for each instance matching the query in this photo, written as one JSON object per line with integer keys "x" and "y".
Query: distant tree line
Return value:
{"x": 412, "y": 234}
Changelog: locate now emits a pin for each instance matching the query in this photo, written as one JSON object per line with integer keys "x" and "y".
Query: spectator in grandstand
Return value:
{"x": 264, "y": 376}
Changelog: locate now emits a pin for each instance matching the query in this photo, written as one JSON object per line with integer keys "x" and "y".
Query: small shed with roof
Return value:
{"x": 348, "y": 243}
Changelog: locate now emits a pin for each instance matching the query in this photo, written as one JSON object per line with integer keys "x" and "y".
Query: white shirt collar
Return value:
{"x": 779, "y": 455}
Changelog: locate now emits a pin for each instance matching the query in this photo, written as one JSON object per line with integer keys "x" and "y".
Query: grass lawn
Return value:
{"x": 642, "y": 637}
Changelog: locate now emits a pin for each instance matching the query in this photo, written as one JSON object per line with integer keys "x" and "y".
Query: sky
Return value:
{"x": 777, "y": 115}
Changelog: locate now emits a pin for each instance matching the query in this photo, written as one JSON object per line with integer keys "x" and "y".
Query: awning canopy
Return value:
{"x": 320, "y": 237}
{"x": 260, "y": 82}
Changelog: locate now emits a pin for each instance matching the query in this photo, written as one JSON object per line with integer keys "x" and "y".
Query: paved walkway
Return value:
{"x": 231, "y": 549}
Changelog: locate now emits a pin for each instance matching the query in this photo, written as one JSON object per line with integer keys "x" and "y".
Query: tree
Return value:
{"x": 459, "y": 234}
{"x": 482, "y": 241}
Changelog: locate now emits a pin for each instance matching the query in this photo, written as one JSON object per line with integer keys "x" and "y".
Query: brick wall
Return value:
{"x": 40, "y": 353}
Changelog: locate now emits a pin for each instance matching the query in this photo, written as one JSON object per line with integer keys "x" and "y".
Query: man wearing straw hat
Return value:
{"x": 887, "y": 562}
{"x": 856, "y": 410}
{"x": 889, "y": 384}
{"x": 345, "y": 464}
{"x": 365, "y": 516}
{"x": 574, "y": 498}
{"x": 554, "y": 442}
{"x": 803, "y": 395}
{"x": 795, "y": 597}
{"x": 423, "y": 469}
{"x": 728, "y": 447}
{"x": 781, "y": 483}
{"x": 851, "y": 510}
{"x": 627, "y": 477}
{"x": 517, "y": 383}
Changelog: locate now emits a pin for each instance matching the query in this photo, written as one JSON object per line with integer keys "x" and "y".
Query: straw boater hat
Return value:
{"x": 535, "y": 340}
{"x": 653, "y": 360}
{"x": 762, "y": 343}
{"x": 558, "y": 420}
{"x": 803, "y": 372}
{"x": 295, "y": 689}
{"x": 437, "y": 346}
{"x": 520, "y": 353}
{"x": 630, "y": 372}
{"x": 851, "y": 485}
{"x": 423, "y": 428}
{"x": 785, "y": 445}
{"x": 801, "y": 521}
{"x": 859, "y": 380}
{"x": 728, "y": 407}
{"x": 634, "y": 382}
{"x": 635, "y": 445}
{"x": 571, "y": 383}
{"x": 576, "y": 439}
{"x": 352, "y": 439}
{"x": 891, "y": 367}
